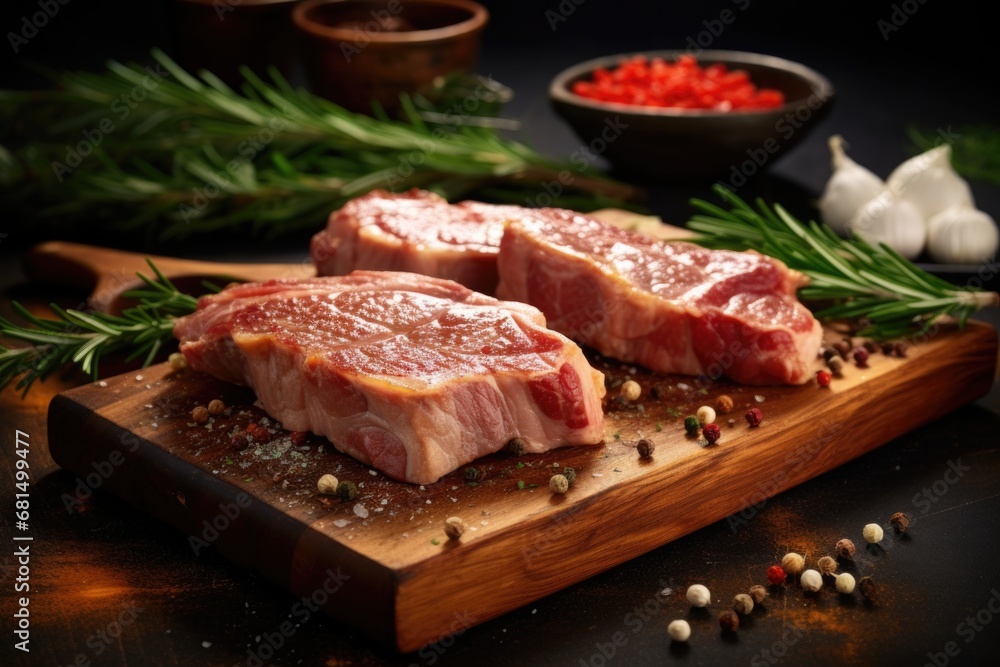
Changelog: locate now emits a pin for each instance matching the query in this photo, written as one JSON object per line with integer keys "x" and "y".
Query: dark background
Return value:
{"x": 938, "y": 69}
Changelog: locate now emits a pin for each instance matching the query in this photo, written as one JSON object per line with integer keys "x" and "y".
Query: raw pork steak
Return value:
{"x": 672, "y": 307}
{"x": 413, "y": 375}
{"x": 415, "y": 231}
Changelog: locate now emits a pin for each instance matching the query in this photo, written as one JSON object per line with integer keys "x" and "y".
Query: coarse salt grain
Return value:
{"x": 102, "y": 383}
{"x": 340, "y": 523}
{"x": 361, "y": 511}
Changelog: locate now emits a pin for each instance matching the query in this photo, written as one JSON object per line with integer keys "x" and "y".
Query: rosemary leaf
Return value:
{"x": 849, "y": 279}
{"x": 82, "y": 338}
{"x": 197, "y": 156}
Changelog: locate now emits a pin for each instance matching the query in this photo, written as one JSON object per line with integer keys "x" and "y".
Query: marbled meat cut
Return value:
{"x": 415, "y": 231}
{"x": 413, "y": 375}
{"x": 672, "y": 307}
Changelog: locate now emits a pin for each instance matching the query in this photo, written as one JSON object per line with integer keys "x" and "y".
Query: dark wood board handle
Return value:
{"x": 108, "y": 273}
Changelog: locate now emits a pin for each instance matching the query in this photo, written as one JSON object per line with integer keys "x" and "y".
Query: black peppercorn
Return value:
{"x": 645, "y": 449}
{"x": 900, "y": 522}
{"x": 347, "y": 490}
{"x": 473, "y": 474}
{"x": 868, "y": 588}
{"x": 569, "y": 474}
{"x": 516, "y": 447}
{"x": 845, "y": 549}
{"x": 729, "y": 621}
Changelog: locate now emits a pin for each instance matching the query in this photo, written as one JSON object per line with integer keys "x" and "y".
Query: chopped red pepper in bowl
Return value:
{"x": 666, "y": 114}
{"x": 684, "y": 84}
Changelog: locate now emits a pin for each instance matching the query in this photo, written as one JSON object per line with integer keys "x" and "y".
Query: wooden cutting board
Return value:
{"x": 382, "y": 562}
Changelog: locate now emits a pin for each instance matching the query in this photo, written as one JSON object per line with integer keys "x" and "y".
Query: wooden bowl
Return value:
{"x": 359, "y": 51}
{"x": 651, "y": 142}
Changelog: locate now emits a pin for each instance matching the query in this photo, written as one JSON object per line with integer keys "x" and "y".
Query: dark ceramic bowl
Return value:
{"x": 357, "y": 51}
{"x": 652, "y": 142}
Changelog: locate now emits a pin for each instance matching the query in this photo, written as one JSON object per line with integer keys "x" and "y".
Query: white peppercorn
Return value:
{"x": 698, "y": 595}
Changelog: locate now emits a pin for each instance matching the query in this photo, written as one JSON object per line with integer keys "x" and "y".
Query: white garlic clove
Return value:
{"x": 929, "y": 182}
{"x": 850, "y": 186}
{"x": 962, "y": 235}
{"x": 892, "y": 221}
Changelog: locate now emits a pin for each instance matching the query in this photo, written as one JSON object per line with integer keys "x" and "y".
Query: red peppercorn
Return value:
{"x": 712, "y": 433}
{"x": 754, "y": 415}
{"x": 861, "y": 357}
{"x": 776, "y": 575}
{"x": 240, "y": 441}
{"x": 823, "y": 378}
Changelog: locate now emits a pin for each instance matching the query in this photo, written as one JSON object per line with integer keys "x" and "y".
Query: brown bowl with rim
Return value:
{"x": 359, "y": 51}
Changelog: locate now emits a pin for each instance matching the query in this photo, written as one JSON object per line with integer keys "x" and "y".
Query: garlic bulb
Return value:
{"x": 850, "y": 186}
{"x": 893, "y": 221}
{"x": 929, "y": 182}
{"x": 962, "y": 235}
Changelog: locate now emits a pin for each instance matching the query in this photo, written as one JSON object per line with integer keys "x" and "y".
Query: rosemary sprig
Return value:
{"x": 849, "y": 279}
{"x": 975, "y": 149}
{"x": 193, "y": 155}
{"x": 81, "y": 338}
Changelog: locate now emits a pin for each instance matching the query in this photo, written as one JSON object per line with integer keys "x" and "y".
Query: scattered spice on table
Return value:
{"x": 776, "y": 575}
{"x": 845, "y": 549}
{"x": 729, "y": 621}
{"x": 900, "y": 522}
{"x": 793, "y": 563}
{"x": 742, "y": 604}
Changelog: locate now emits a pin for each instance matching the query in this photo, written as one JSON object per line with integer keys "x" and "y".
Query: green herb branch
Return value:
{"x": 81, "y": 338}
{"x": 849, "y": 278}
{"x": 975, "y": 149}
{"x": 195, "y": 155}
